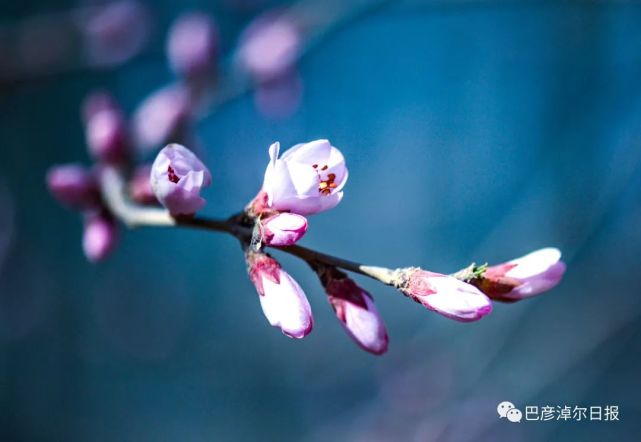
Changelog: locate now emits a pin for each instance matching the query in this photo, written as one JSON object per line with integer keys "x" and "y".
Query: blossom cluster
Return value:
{"x": 306, "y": 179}
{"x": 165, "y": 116}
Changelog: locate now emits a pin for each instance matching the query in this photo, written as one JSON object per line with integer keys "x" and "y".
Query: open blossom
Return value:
{"x": 74, "y": 186}
{"x": 529, "y": 275}
{"x": 192, "y": 45}
{"x": 355, "y": 309}
{"x": 283, "y": 229}
{"x": 445, "y": 295}
{"x": 308, "y": 178}
{"x": 283, "y": 301}
{"x": 100, "y": 236}
{"x": 177, "y": 177}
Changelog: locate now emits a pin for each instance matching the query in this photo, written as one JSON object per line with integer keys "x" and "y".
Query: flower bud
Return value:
{"x": 140, "y": 189}
{"x": 283, "y": 229}
{"x": 192, "y": 45}
{"x": 283, "y": 301}
{"x": 73, "y": 185}
{"x": 162, "y": 117}
{"x": 100, "y": 237}
{"x": 115, "y": 32}
{"x": 177, "y": 177}
{"x": 106, "y": 133}
{"x": 95, "y": 102}
{"x": 355, "y": 309}
{"x": 445, "y": 295}
{"x": 269, "y": 47}
{"x": 307, "y": 179}
{"x": 521, "y": 278}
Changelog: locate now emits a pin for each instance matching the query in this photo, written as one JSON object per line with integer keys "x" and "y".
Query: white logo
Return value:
{"x": 508, "y": 410}
{"x": 514, "y": 415}
{"x": 558, "y": 413}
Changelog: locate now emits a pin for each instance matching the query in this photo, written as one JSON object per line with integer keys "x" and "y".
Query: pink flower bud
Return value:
{"x": 307, "y": 179}
{"x": 74, "y": 186}
{"x": 106, "y": 135}
{"x": 283, "y": 229}
{"x": 100, "y": 237}
{"x": 283, "y": 301}
{"x": 445, "y": 295}
{"x": 530, "y": 275}
{"x": 140, "y": 186}
{"x": 177, "y": 177}
{"x": 355, "y": 309}
{"x": 269, "y": 47}
{"x": 193, "y": 45}
{"x": 115, "y": 32}
{"x": 162, "y": 117}
{"x": 96, "y": 102}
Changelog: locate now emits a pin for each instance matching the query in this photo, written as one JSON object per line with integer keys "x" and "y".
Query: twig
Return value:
{"x": 114, "y": 192}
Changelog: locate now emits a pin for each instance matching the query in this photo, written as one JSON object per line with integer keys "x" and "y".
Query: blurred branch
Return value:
{"x": 50, "y": 45}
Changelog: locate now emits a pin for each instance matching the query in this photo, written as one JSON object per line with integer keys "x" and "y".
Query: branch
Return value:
{"x": 114, "y": 192}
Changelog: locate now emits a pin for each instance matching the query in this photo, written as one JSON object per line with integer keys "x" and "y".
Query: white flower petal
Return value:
{"x": 285, "y": 306}
{"x": 534, "y": 263}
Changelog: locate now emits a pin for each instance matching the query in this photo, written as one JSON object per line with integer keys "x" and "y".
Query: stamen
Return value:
{"x": 325, "y": 186}
{"x": 171, "y": 175}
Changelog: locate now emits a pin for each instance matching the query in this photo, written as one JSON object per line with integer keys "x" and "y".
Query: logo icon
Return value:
{"x": 514, "y": 415}
{"x": 507, "y": 410}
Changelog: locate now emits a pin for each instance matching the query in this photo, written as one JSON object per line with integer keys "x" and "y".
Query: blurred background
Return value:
{"x": 473, "y": 131}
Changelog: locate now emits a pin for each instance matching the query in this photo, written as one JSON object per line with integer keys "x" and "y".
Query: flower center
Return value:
{"x": 326, "y": 185}
{"x": 171, "y": 175}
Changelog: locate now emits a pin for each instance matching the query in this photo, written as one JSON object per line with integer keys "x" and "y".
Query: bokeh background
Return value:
{"x": 473, "y": 131}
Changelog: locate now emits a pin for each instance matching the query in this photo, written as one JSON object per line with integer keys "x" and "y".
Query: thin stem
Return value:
{"x": 215, "y": 225}
{"x": 382, "y": 274}
{"x": 114, "y": 192}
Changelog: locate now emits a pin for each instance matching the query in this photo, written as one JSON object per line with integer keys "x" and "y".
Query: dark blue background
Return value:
{"x": 472, "y": 131}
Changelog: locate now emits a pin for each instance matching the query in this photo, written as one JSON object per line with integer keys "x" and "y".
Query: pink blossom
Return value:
{"x": 192, "y": 45}
{"x": 527, "y": 276}
{"x": 355, "y": 309}
{"x": 307, "y": 179}
{"x": 283, "y": 301}
{"x": 283, "y": 229}
{"x": 100, "y": 237}
{"x": 177, "y": 177}
{"x": 74, "y": 186}
{"x": 162, "y": 117}
{"x": 269, "y": 47}
{"x": 446, "y": 295}
{"x": 106, "y": 135}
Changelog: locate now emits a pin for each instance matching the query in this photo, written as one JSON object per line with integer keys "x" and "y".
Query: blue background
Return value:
{"x": 473, "y": 131}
